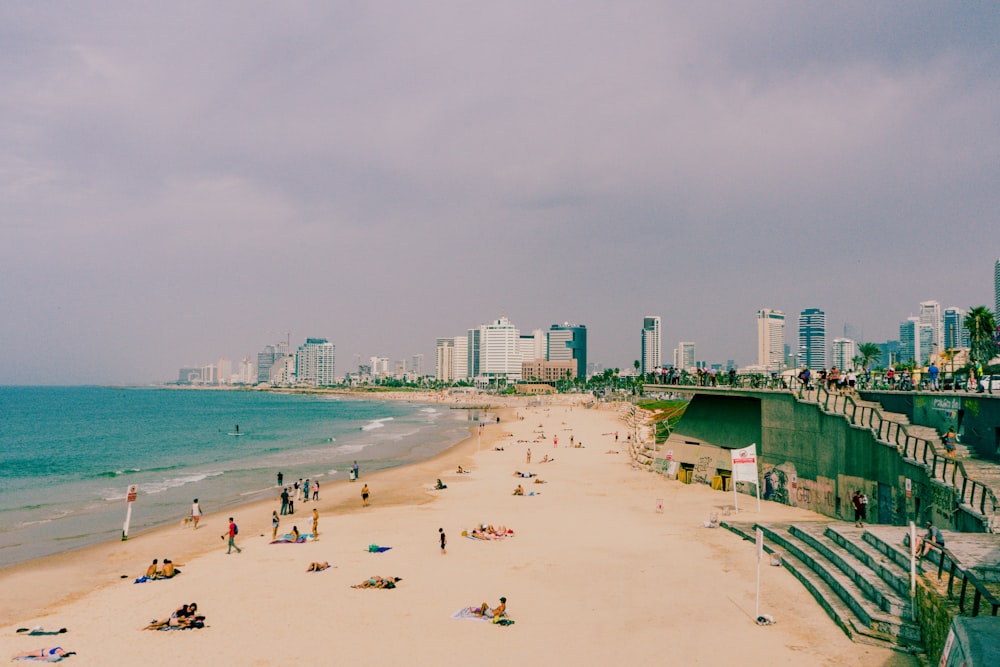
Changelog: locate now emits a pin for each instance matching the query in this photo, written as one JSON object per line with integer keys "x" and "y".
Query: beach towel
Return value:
{"x": 376, "y": 549}
{"x": 51, "y": 658}
{"x": 287, "y": 539}
{"x": 143, "y": 579}
{"x": 39, "y": 630}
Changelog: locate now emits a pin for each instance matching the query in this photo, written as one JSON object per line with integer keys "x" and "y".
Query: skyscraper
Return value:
{"x": 955, "y": 334}
{"x": 445, "y": 364}
{"x": 770, "y": 339}
{"x": 812, "y": 338}
{"x": 996, "y": 289}
{"x": 909, "y": 340}
{"x": 650, "y": 343}
{"x": 568, "y": 342}
{"x": 315, "y": 362}
{"x": 930, "y": 316}
{"x": 498, "y": 350}
{"x": 844, "y": 351}
{"x": 684, "y": 355}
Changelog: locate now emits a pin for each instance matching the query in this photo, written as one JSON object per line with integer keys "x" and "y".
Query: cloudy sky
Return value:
{"x": 184, "y": 181}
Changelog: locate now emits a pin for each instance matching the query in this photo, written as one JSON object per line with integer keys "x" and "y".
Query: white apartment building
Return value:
{"x": 844, "y": 351}
{"x": 315, "y": 362}
{"x": 684, "y": 355}
{"x": 930, "y": 316}
{"x": 770, "y": 339}
{"x": 460, "y": 369}
{"x": 650, "y": 344}
{"x": 445, "y": 364}
{"x": 499, "y": 356}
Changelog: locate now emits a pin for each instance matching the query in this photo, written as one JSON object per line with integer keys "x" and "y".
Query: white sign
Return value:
{"x": 745, "y": 464}
{"x": 133, "y": 491}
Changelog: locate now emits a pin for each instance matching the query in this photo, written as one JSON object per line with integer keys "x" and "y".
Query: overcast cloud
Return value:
{"x": 184, "y": 181}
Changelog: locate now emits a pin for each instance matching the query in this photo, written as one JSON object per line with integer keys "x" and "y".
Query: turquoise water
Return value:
{"x": 68, "y": 454}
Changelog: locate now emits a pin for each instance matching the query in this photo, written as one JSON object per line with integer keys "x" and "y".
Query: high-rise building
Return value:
{"x": 930, "y": 316}
{"x": 650, "y": 343}
{"x": 956, "y": 336}
{"x": 445, "y": 364}
{"x": 909, "y": 340}
{"x": 498, "y": 353}
{"x": 770, "y": 339}
{"x": 812, "y": 338}
{"x": 225, "y": 374}
{"x": 248, "y": 372}
{"x": 568, "y": 342}
{"x": 472, "y": 352}
{"x": 844, "y": 351}
{"x": 315, "y": 361}
{"x": 684, "y": 355}
{"x": 417, "y": 365}
{"x": 532, "y": 346}
{"x": 461, "y": 367}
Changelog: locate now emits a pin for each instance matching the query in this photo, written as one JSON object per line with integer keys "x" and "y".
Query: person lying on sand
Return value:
{"x": 612, "y": 451}
{"x": 546, "y": 459}
{"x": 539, "y": 480}
{"x": 519, "y": 491}
{"x": 39, "y": 630}
{"x": 50, "y": 654}
{"x": 378, "y": 582}
{"x": 526, "y": 475}
{"x": 183, "y": 617}
{"x": 317, "y": 567}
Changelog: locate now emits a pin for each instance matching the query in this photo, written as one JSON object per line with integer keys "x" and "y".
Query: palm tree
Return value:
{"x": 870, "y": 352}
{"x": 982, "y": 325}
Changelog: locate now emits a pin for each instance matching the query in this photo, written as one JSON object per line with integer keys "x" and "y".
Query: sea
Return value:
{"x": 68, "y": 455}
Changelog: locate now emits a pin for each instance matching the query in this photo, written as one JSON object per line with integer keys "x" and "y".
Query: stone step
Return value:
{"x": 883, "y": 624}
{"x": 890, "y": 565}
{"x": 866, "y": 630}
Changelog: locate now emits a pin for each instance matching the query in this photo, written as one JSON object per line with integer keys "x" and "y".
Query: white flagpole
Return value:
{"x": 130, "y": 496}
{"x": 760, "y": 554}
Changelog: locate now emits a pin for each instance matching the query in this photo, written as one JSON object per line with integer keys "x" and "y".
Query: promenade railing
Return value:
{"x": 979, "y": 594}
{"x": 948, "y": 470}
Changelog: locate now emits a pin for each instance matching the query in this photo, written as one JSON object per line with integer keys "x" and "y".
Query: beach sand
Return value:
{"x": 593, "y": 576}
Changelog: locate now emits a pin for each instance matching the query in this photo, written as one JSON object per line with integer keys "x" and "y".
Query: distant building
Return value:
{"x": 812, "y": 339}
{"x": 225, "y": 371}
{"x": 956, "y": 336}
{"x": 189, "y": 375}
{"x": 248, "y": 371}
{"x": 996, "y": 289}
{"x": 461, "y": 359}
{"x": 684, "y": 355}
{"x": 315, "y": 363}
{"x": 417, "y": 366}
{"x": 650, "y": 344}
{"x": 568, "y": 342}
{"x": 770, "y": 339}
{"x": 473, "y": 343}
{"x": 532, "y": 346}
{"x": 267, "y": 357}
{"x": 844, "y": 351}
{"x": 444, "y": 367}
{"x": 498, "y": 350}
{"x": 540, "y": 370}
{"x": 909, "y": 340}
{"x": 930, "y": 317}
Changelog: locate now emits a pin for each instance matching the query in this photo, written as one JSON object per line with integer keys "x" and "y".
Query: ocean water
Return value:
{"x": 69, "y": 454}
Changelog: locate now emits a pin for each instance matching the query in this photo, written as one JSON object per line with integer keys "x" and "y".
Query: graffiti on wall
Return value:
{"x": 701, "y": 469}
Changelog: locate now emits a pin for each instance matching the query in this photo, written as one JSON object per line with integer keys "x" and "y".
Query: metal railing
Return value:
{"x": 980, "y": 592}
{"x": 947, "y": 470}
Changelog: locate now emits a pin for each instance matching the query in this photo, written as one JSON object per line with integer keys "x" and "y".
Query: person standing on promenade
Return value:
{"x": 444, "y": 541}
{"x": 932, "y": 373}
{"x": 274, "y": 525}
{"x": 860, "y": 509}
{"x": 284, "y": 501}
{"x": 233, "y": 532}
{"x": 364, "y": 496}
{"x": 315, "y": 524}
{"x": 281, "y": 478}
{"x": 195, "y": 512}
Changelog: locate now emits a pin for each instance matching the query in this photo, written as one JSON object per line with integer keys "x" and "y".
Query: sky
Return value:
{"x": 186, "y": 181}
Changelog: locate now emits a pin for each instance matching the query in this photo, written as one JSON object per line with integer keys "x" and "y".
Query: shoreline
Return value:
{"x": 115, "y": 553}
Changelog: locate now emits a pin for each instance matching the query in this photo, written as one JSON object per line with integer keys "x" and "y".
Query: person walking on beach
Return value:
{"x": 444, "y": 541}
{"x": 281, "y": 478}
{"x": 284, "y": 501}
{"x": 233, "y": 532}
{"x": 528, "y": 455}
{"x": 274, "y": 525}
{"x": 315, "y": 524}
{"x": 364, "y": 496}
{"x": 315, "y": 490}
{"x": 195, "y": 512}
{"x": 305, "y": 491}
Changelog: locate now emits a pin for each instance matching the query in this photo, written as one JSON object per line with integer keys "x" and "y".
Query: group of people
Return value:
{"x": 185, "y": 616}
{"x": 378, "y": 582}
{"x": 154, "y": 571}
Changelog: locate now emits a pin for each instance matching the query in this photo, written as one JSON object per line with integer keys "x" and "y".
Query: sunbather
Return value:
{"x": 168, "y": 569}
{"x": 183, "y": 617}
{"x": 378, "y": 582}
{"x": 153, "y": 570}
{"x": 50, "y": 654}
{"x": 519, "y": 491}
{"x": 318, "y": 567}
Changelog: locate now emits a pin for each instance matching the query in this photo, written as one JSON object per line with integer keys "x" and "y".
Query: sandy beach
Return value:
{"x": 593, "y": 575}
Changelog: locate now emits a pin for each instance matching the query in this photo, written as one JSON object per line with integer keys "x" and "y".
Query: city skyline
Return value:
{"x": 179, "y": 187}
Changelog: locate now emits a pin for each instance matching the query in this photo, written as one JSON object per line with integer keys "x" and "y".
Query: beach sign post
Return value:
{"x": 745, "y": 470}
{"x": 759, "y": 535}
{"x": 133, "y": 491}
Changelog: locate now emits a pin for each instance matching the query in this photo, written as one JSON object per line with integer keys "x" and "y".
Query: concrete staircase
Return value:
{"x": 859, "y": 576}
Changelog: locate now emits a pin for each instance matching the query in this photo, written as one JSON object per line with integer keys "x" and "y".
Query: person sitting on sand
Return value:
{"x": 378, "y": 582}
{"x": 484, "y": 609}
{"x": 539, "y": 480}
{"x": 49, "y": 654}
{"x": 183, "y": 617}
{"x": 461, "y": 470}
{"x": 295, "y": 533}
{"x": 519, "y": 491}
{"x": 318, "y": 567}
{"x": 168, "y": 569}
{"x": 153, "y": 570}
{"x": 439, "y": 485}
{"x": 546, "y": 459}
